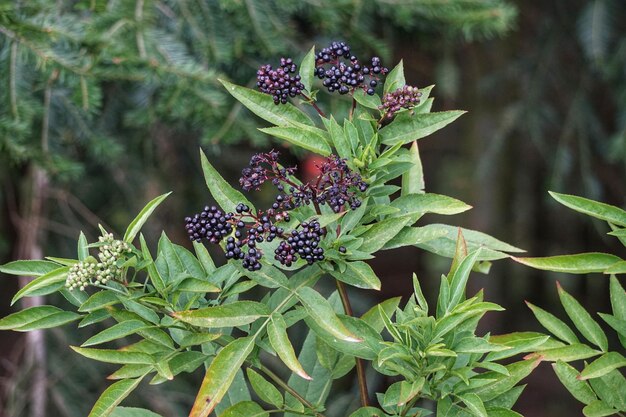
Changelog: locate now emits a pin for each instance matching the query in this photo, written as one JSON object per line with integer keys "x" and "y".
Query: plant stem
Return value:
{"x": 360, "y": 365}
{"x": 352, "y": 108}
{"x": 314, "y": 104}
{"x": 278, "y": 381}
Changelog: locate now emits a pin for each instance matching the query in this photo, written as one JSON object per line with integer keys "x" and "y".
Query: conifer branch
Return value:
{"x": 141, "y": 43}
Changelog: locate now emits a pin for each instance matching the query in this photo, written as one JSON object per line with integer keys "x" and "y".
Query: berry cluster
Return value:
{"x": 406, "y": 97}
{"x": 279, "y": 82}
{"x": 303, "y": 243}
{"x": 101, "y": 271}
{"x": 211, "y": 224}
{"x": 341, "y": 71}
{"x": 336, "y": 184}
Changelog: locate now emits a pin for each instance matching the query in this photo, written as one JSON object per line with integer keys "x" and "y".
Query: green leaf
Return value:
{"x": 517, "y": 342}
{"x": 320, "y": 310}
{"x": 616, "y": 268}
{"x": 34, "y": 268}
{"x": 367, "y": 101}
{"x": 352, "y": 219}
{"x": 474, "y": 404}
{"x": 135, "y": 226}
{"x": 618, "y": 299}
{"x": 382, "y": 232}
{"x": 413, "y": 179}
{"x": 117, "y": 331}
{"x": 581, "y": 263}
{"x": 187, "y": 361}
{"x": 83, "y": 250}
{"x": 589, "y": 328}
{"x": 269, "y": 276}
{"x": 307, "y": 70}
{"x": 618, "y": 325}
{"x": 114, "y": 356}
{"x": 245, "y": 408}
{"x": 367, "y": 412}
{"x": 39, "y": 317}
{"x": 502, "y": 412}
{"x": 458, "y": 281}
{"x": 553, "y": 324}
{"x": 411, "y": 204}
{"x": 446, "y": 244}
{"x": 225, "y": 195}
{"x": 45, "y": 284}
{"x": 99, "y": 300}
{"x": 311, "y": 139}
{"x": 112, "y": 396}
{"x": 264, "y": 389}
{"x": 133, "y": 412}
{"x": 413, "y": 236}
{"x": 592, "y": 208}
{"x": 603, "y": 365}
{"x": 406, "y": 127}
{"x": 196, "y": 285}
{"x": 227, "y": 315}
{"x": 277, "y": 333}
{"x": 567, "y": 353}
{"x": 358, "y": 274}
{"x": 153, "y": 272}
{"x": 367, "y": 349}
{"x": 502, "y": 383}
{"x": 373, "y": 316}
{"x": 598, "y": 409}
{"x": 618, "y": 303}
{"x": 608, "y": 389}
{"x": 220, "y": 375}
{"x": 194, "y": 339}
{"x": 395, "y": 78}
{"x": 419, "y": 295}
{"x": 203, "y": 256}
{"x": 580, "y": 390}
{"x": 263, "y": 106}
{"x": 338, "y": 138}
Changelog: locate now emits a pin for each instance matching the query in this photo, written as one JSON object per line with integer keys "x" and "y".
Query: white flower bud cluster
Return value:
{"x": 101, "y": 271}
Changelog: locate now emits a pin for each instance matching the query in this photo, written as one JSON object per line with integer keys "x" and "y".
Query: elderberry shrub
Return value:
{"x": 343, "y": 72}
{"x": 406, "y": 97}
{"x": 279, "y": 82}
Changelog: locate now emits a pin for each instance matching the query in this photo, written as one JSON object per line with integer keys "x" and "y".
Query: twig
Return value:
{"x": 314, "y": 104}
{"x": 278, "y": 381}
{"x": 360, "y": 366}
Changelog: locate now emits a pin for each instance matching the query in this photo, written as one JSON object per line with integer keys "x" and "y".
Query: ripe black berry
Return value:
{"x": 302, "y": 243}
{"x": 211, "y": 224}
{"x": 342, "y": 72}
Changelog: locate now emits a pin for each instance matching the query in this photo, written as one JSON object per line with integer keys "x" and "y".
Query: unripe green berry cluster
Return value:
{"x": 102, "y": 270}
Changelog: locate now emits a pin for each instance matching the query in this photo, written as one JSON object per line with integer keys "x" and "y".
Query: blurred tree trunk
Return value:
{"x": 28, "y": 227}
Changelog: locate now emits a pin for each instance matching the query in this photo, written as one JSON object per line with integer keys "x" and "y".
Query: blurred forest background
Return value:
{"x": 104, "y": 104}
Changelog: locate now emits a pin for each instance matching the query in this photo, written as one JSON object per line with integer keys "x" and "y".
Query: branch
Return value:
{"x": 360, "y": 366}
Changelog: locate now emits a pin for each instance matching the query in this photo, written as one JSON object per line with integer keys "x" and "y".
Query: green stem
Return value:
{"x": 278, "y": 381}
{"x": 360, "y": 365}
